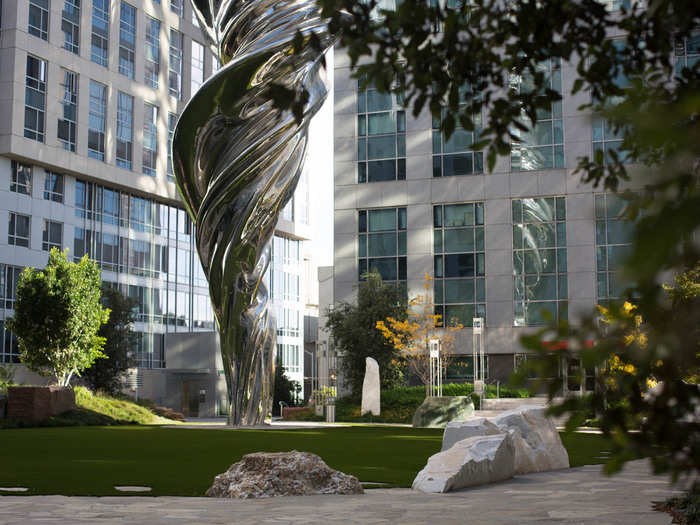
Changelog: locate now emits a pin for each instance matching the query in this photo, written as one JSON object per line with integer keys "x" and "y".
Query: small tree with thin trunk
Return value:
{"x": 412, "y": 335}
{"x": 57, "y": 317}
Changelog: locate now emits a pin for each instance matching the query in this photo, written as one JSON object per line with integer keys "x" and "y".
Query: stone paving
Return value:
{"x": 577, "y": 496}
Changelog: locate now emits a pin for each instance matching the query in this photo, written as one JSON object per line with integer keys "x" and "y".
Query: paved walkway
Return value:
{"x": 577, "y": 496}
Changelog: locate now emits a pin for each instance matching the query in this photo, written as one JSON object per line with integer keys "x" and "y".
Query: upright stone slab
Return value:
{"x": 370, "y": 388}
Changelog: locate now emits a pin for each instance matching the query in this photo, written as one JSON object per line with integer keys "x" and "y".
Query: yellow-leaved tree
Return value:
{"x": 413, "y": 335}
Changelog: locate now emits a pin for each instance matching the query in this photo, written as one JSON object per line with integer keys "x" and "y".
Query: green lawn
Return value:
{"x": 91, "y": 460}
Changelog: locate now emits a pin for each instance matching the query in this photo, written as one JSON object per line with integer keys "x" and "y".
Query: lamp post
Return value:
{"x": 435, "y": 368}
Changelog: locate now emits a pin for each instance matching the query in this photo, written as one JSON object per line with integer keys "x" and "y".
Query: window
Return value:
{"x": 288, "y": 322}
{"x": 127, "y": 39}
{"x": 176, "y": 7}
{"x": 606, "y": 138}
{"x": 70, "y": 25}
{"x": 125, "y": 130}
{"x": 21, "y": 178}
{"x": 18, "y": 231}
{"x": 9, "y": 276}
{"x": 215, "y": 64}
{"x": 613, "y": 238}
{"x": 100, "y": 32}
{"x": 82, "y": 244}
{"x": 454, "y": 156}
{"x": 150, "y": 139}
{"x": 539, "y": 260}
{"x": 290, "y": 357}
{"x": 461, "y": 368}
{"x": 175, "y": 65}
{"x": 149, "y": 350}
{"x": 83, "y": 199}
{"x": 69, "y": 102}
{"x": 382, "y": 243}
{"x": 542, "y": 146}
{"x": 152, "y": 52}
{"x": 53, "y": 187}
{"x": 97, "y": 120}
{"x": 459, "y": 262}
{"x": 52, "y": 235}
{"x": 35, "y": 99}
{"x": 39, "y": 18}
{"x": 381, "y": 141}
{"x": 687, "y": 51}
{"x": 197, "y": 67}
{"x": 172, "y": 121}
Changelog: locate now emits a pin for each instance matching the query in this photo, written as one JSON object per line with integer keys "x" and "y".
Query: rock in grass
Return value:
{"x": 436, "y": 412}
{"x": 268, "y": 474}
{"x": 468, "y": 463}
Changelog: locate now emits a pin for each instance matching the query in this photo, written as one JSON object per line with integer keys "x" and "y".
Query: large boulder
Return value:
{"x": 538, "y": 446}
{"x": 370, "y": 388}
{"x": 436, "y": 412}
{"x": 267, "y": 474}
{"x": 473, "y": 461}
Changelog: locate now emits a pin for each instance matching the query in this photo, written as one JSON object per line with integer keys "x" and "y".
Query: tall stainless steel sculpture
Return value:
{"x": 237, "y": 160}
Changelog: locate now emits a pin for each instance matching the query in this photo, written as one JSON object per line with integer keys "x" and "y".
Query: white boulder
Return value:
{"x": 468, "y": 463}
{"x": 538, "y": 446}
{"x": 370, "y": 388}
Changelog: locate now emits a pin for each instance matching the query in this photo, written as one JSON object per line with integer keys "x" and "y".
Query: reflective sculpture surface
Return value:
{"x": 237, "y": 160}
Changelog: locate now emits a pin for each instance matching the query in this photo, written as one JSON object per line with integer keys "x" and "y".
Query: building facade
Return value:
{"x": 91, "y": 94}
{"x": 525, "y": 243}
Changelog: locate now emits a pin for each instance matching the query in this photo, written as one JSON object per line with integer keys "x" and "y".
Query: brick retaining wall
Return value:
{"x": 36, "y": 403}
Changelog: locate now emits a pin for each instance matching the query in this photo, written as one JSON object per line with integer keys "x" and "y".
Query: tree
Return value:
{"x": 108, "y": 374}
{"x": 488, "y": 56}
{"x": 411, "y": 336}
{"x": 353, "y": 327}
{"x": 57, "y": 317}
{"x": 285, "y": 389}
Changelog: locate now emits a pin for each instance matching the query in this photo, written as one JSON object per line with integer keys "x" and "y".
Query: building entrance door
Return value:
{"x": 190, "y": 398}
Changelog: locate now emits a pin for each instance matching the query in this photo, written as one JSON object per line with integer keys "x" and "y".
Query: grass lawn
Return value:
{"x": 183, "y": 462}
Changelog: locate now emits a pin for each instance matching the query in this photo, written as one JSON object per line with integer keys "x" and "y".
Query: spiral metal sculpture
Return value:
{"x": 237, "y": 160}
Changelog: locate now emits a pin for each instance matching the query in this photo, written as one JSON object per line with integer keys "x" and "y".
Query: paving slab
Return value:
{"x": 577, "y": 496}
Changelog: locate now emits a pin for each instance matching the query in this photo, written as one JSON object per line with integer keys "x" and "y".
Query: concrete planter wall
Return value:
{"x": 35, "y": 403}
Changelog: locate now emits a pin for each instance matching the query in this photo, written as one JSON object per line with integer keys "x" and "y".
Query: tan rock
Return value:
{"x": 268, "y": 474}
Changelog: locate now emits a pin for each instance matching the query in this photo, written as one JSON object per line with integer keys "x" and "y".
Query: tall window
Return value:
{"x": 53, "y": 186}
{"x": 52, "y": 235}
{"x": 21, "y": 181}
{"x": 97, "y": 120}
{"x": 613, "y": 238}
{"x": 290, "y": 357}
{"x": 381, "y": 141}
{"x": 172, "y": 120}
{"x": 70, "y": 25}
{"x": 687, "y": 51}
{"x": 100, "y": 32}
{"x": 9, "y": 277}
{"x": 459, "y": 262}
{"x": 542, "y": 146}
{"x": 39, "y": 18}
{"x": 175, "y": 65}
{"x": 539, "y": 260}
{"x": 127, "y": 39}
{"x": 176, "y": 7}
{"x": 125, "y": 130}
{"x": 150, "y": 139}
{"x": 454, "y": 156}
{"x": 152, "y": 52}
{"x": 197, "y": 77}
{"x": 18, "y": 230}
{"x": 35, "y": 99}
{"x": 382, "y": 243}
{"x": 69, "y": 103}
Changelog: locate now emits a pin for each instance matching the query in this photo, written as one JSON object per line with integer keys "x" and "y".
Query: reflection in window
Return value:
{"x": 52, "y": 235}
{"x": 53, "y": 187}
{"x": 459, "y": 262}
{"x": 687, "y": 51}
{"x": 18, "y": 230}
{"x": 125, "y": 130}
{"x": 150, "y": 139}
{"x": 542, "y": 145}
{"x": 68, "y": 116}
{"x": 39, "y": 19}
{"x": 381, "y": 135}
{"x": 97, "y": 120}
{"x": 175, "y": 65}
{"x": 382, "y": 244}
{"x": 613, "y": 237}
{"x": 21, "y": 181}
{"x": 100, "y": 32}
{"x": 127, "y": 39}
{"x": 539, "y": 260}
{"x": 152, "y": 52}
{"x": 35, "y": 99}
{"x": 70, "y": 25}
